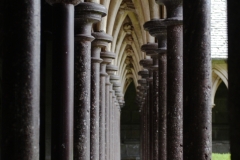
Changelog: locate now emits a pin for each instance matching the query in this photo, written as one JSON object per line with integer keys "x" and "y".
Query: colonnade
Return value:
{"x": 173, "y": 93}
{"x": 176, "y": 114}
{"x": 87, "y": 94}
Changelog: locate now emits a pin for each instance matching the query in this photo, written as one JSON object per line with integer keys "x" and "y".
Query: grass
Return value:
{"x": 216, "y": 156}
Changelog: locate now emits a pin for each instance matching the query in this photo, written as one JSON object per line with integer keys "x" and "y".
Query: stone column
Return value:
{"x": 151, "y": 50}
{"x": 118, "y": 131}
{"x": 21, "y": 79}
{"x": 111, "y": 69}
{"x": 146, "y": 106}
{"x": 110, "y": 122}
{"x": 197, "y": 80}
{"x": 120, "y": 99}
{"x": 234, "y": 77}
{"x": 107, "y": 92}
{"x": 174, "y": 78}
{"x": 107, "y": 58}
{"x": 114, "y": 126}
{"x": 85, "y": 15}
{"x": 101, "y": 41}
{"x": 141, "y": 131}
{"x": 158, "y": 30}
{"x": 144, "y": 139}
{"x": 118, "y": 121}
{"x": 102, "y": 142}
{"x": 145, "y": 113}
{"x": 147, "y": 63}
{"x": 150, "y": 113}
{"x": 141, "y": 101}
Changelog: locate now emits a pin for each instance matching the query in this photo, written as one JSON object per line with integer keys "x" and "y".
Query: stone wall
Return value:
{"x": 219, "y": 29}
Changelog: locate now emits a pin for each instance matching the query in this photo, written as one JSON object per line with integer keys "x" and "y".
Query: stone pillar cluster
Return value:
{"x": 178, "y": 78}
{"x": 87, "y": 94}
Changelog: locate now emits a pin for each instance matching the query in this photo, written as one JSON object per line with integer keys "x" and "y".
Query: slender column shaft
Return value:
{"x": 197, "y": 80}
{"x": 115, "y": 131}
{"x": 84, "y": 14}
{"x": 21, "y": 80}
{"x": 118, "y": 131}
{"x": 107, "y": 58}
{"x": 142, "y": 137}
{"x": 62, "y": 109}
{"x": 143, "y": 132}
{"x": 174, "y": 79}
{"x": 162, "y": 65}
{"x": 114, "y": 128}
{"x": 82, "y": 98}
{"x": 102, "y": 110}
{"x": 148, "y": 126}
{"x": 113, "y": 124}
{"x": 94, "y": 121}
{"x": 110, "y": 123}
{"x": 157, "y": 29}
{"x": 101, "y": 41}
{"x": 150, "y": 119}
{"x": 174, "y": 93}
{"x": 155, "y": 113}
{"x": 107, "y": 120}
{"x": 234, "y": 77}
{"x": 150, "y": 50}
{"x": 145, "y": 140}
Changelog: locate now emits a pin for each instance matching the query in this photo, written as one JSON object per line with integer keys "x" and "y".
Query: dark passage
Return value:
{"x": 130, "y": 126}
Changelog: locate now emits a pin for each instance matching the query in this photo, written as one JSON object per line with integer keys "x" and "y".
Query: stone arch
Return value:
{"x": 219, "y": 75}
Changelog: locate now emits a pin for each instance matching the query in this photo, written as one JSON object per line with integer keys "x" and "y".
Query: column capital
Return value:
{"x": 146, "y": 63}
{"x": 111, "y": 69}
{"x": 141, "y": 88}
{"x": 115, "y": 77}
{"x": 156, "y": 27}
{"x": 142, "y": 82}
{"x": 174, "y": 11}
{"x": 151, "y": 49}
{"x": 108, "y": 80}
{"x": 73, "y": 2}
{"x": 107, "y": 57}
{"x": 144, "y": 73}
{"x": 89, "y": 12}
{"x": 101, "y": 39}
{"x": 117, "y": 86}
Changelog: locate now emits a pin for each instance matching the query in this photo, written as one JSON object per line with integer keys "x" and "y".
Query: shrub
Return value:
{"x": 217, "y": 156}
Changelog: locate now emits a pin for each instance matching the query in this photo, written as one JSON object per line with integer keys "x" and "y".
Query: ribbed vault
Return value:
{"x": 124, "y": 22}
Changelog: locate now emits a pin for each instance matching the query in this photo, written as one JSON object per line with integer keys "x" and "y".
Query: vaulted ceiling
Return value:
{"x": 124, "y": 22}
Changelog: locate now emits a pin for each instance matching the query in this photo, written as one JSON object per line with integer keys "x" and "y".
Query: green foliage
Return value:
{"x": 216, "y": 156}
